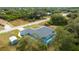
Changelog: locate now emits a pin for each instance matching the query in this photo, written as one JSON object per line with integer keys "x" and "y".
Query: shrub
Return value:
{"x": 58, "y": 20}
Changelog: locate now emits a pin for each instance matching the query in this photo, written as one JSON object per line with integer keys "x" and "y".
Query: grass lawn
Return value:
{"x": 4, "y": 40}
{"x": 36, "y": 25}
{"x": 1, "y": 28}
{"x": 18, "y": 22}
{"x": 33, "y": 26}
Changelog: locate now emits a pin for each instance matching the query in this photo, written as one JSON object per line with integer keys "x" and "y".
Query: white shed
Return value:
{"x": 13, "y": 40}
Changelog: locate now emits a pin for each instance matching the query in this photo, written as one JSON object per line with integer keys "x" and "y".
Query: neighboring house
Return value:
{"x": 48, "y": 13}
{"x": 44, "y": 33}
{"x": 13, "y": 40}
{"x": 65, "y": 14}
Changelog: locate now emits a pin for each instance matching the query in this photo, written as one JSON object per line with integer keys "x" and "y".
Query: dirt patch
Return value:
{"x": 3, "y": 22}
{"x": 18, "y": 22}
{"x": 52, "y": 26}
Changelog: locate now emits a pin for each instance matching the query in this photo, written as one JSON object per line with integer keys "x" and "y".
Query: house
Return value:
{"x": 48, "y": 13}
{"x": 44, "y": 33}
{"x": 65, "y": 14}
{"x": 13, "y": 40}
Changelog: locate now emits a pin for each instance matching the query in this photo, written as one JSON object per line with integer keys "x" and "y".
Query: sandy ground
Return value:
{"x": 3, "y": 22}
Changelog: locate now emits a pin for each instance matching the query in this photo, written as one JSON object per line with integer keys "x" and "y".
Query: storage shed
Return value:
{"x": 13, "y": 40}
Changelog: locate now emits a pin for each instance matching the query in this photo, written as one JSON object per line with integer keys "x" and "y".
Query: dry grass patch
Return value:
{"x": 4, "y": 40}
{"x": 33, "y": 26}
{"x": 1, "y": 27}
{"x": 18, "y": 22}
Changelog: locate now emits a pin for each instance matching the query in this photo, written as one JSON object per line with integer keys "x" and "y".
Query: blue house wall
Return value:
{"x": 49, "y": 38}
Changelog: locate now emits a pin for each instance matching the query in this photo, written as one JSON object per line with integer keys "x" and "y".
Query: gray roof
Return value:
{"x": 26, "y": 31}
{"x": 40, "y": 32}
{"x": 43, "y": 32}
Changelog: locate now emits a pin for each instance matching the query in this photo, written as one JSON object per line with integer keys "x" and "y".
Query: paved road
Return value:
{"x": 18, "y": 27}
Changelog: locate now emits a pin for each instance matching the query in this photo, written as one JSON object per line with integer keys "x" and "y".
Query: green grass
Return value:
{"x": 36, "y": 25}
{"x": 1, "y": 28}
{"x": 33, "y": 26}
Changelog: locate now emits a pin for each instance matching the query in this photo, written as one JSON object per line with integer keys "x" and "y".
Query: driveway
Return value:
{"x": 18, "y": 27}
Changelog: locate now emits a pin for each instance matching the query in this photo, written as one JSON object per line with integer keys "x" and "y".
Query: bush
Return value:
{"x": 28, "y": 43}
{"x": 72, "y": 15}
{"x": 73, "y": 27}
{"x": 64, "y": 40}
{"x": 58, "y": 20}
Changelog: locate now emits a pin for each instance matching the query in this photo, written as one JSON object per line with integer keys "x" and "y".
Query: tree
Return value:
{"x": 72, "y": 15}
{"x": 64, "y": 40}
{"x": 73, "y": 27}
{"x": 28, "y": 43}
{"x": 21, "y": 45}
{"x": 58, "y": 20}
